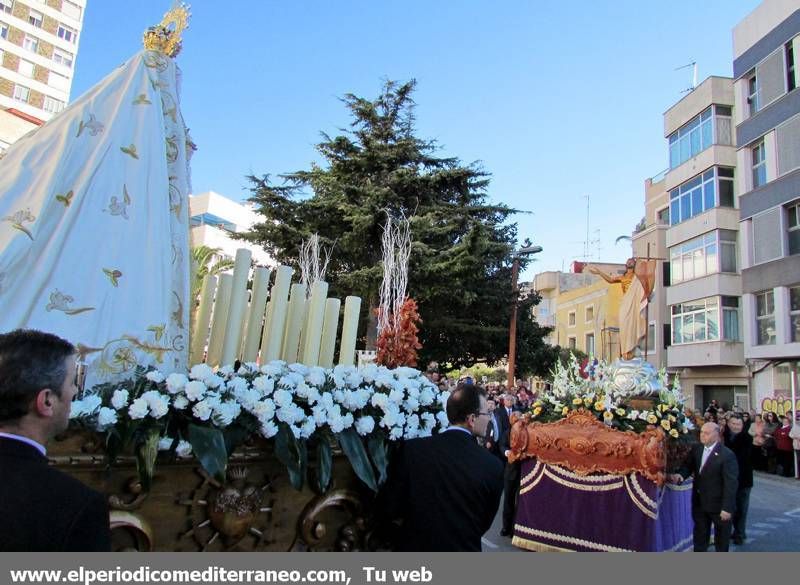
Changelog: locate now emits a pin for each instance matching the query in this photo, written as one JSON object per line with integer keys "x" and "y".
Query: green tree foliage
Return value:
{"x": 207, "y": 261}
{"x": 460, "y": 271}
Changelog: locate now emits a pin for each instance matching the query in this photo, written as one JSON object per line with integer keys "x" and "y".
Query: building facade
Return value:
{"x": 214, "y": 220}
{"x": 767, "y": 122}
{"x": 38, "y": 48}
{"x": 692, "y": 224}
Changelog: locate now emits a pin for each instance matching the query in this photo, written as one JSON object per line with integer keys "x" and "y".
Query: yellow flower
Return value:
{"x": 672, "y": 418}
{"x": 587, "y": 401}
{"x": 674, "y": 433}
{"x": 537, "y": 411}
{"x": 598, "y": 406}
{"x": 651, "y": 418}
{"x": 564, "y": 411}
{"x": 537, "y": 403}
{"x": 577, "y": 401}
{"x": 608, "y": 415}
{"x": 663, "y": 407}
{"x": 665, "y": 424}
{"x": 620, "y": 412}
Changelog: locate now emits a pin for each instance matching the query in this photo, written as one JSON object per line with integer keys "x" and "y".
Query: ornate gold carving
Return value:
{"x": 585, "y": 445}
{"x": 165, "y": 37}
{"x": 353, "y": 534}
{"x": 130, "y": 532}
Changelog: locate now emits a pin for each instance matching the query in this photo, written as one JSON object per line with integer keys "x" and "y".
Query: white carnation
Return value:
{"x": 225, "y": 371}
{"x": 269, "y": 429}
{"x": 282, "y": 398}
{"x": 106, "y": 417}
{"x": 273, "y": 369}
{"x": 165, "y": 443}
{"x": 301, "y": 369}
{"x": 237, "y": 384}
{"x": 426, "y": 397}
{"x": 365, "y": 425}
{"x": 396, "y": 434}
{"x": 444, "y": 422}
{"x": 226, "y": 413}
{"x": 184, "y": 448}
{"x": 214, "y": 381}
{"x": 316, "y": 377}
{"x": 180, "y": 402}
{"x": 119, "y": 399}
{"x": 195, "y": 390}
{"x": 308, "y": 428}
{"x": 264, "y": 410}
{"x": 176, "y": 382}
{"x": 138, "y": 409}
{"x": 264, "y": 385}
{"x": 155, "y": 376}
{"x": 202, "y": 410}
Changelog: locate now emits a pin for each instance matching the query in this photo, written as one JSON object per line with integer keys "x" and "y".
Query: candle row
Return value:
{"x": 265, "y": 324}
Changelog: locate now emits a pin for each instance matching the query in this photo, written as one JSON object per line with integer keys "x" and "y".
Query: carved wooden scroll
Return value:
{"x": 585, "y": 445}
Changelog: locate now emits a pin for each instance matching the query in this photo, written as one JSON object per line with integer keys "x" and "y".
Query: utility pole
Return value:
{"x": 512, "y": 330}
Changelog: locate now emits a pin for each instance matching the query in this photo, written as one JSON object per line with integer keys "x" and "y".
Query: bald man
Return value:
{"x": 715, "y": 474}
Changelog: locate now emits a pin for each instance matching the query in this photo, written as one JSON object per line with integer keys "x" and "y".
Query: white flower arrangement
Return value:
{"x": 373, "y": 404}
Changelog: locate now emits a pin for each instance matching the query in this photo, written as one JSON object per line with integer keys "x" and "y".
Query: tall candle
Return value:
{"x": 203, "y": 319}
{"x": 258, "y": 304}
{"x": 220, "y": 317}
{"x": 233, "y": 327}
{"x": 316, "y": 316}
{"x": 329, "y": 328}
{"x": 347, "y": 350}
{"x": 272, "y": 341}
{"x": 297, "y": 314}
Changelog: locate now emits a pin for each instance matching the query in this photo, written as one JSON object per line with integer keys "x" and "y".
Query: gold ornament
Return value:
{"x": 165, "y": 37}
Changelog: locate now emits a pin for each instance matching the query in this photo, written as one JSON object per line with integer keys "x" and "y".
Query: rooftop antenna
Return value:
{"x": 598, "y": 243}
{"x": 693, "y": 65}
{"x": 586, "y": 241}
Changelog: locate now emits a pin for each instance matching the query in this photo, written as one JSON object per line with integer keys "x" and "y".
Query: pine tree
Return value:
{"x": 460, "y": 269}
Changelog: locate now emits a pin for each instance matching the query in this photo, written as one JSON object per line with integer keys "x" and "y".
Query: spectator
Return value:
{"x": 771, "y": 424}
{"x": 741, "y": 444}
{"x": 783, "y": 448}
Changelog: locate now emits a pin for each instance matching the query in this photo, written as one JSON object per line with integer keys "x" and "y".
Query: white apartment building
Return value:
{"x": 767, "y": 116}
{"x": 214, "y": 218}
{"x": 38, "y": 48}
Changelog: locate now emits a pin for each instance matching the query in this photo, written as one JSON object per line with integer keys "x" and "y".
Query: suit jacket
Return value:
{"x": 742, "y": 445}
{"x": 446, "y": 489}
{"x": 715, "y": 485}
{"x": 492, "y": 437}
{"x": 43, "y": 509}
{"x": 503, "y": 420}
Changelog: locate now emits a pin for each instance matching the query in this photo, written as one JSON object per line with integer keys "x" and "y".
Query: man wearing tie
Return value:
{"x": 492, "y": 437}
{"x": 715, "y": 474}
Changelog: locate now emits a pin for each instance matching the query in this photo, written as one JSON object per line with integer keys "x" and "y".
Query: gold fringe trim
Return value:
{"x": 534, "y": 546}
{"x": 534, "y": 471}
{"x": 563, "y": 471}
{"x": 646, "y": 511}
{"x": 566, "y": 539}
{"x": 533, "y": 483}
{"x": 584, "y": 488}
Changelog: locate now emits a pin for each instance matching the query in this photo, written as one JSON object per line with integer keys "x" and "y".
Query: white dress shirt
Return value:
{"x": 22, "y": 439}
{"x": 706, "y": 454}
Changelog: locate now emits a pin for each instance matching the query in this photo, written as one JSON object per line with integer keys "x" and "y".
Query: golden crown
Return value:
{"x": 165, "y": 37}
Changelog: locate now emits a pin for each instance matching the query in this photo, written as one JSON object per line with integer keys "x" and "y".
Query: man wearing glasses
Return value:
{"x": 446, "y": 488}
{"x": 41, "y": 508}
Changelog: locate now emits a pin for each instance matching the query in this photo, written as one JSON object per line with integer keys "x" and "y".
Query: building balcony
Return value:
{"x": 715, "y": 155}
{"x": 545, "y": 281}
{"x": 719, "y": 284}
{"x": 707, "y": 353}
{"x": 717, "y": 218}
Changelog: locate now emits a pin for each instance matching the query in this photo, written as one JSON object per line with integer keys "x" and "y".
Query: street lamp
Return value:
{"x": 527, "y": 250}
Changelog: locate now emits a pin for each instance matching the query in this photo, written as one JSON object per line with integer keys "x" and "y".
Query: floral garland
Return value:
{"x": 208, "y": 413}
{"x": 593, "y": 388}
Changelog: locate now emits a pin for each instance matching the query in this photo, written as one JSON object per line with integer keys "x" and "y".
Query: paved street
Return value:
{"x": 773, "y": 524}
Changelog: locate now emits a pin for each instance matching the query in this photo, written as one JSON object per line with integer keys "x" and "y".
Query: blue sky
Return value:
{"x": 556, "y": 99}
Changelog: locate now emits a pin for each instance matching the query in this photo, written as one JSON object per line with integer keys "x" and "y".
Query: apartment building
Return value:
{"x": 767, "y": 120}
{"x": 38, "y": 47}
{"x": 215, "y": 218}
{"x": 692, "y": 223}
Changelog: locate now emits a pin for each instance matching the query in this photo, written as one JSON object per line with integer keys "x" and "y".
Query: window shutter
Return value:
{"x": 771, "y": 78}
{"x": 788, "y": 139}
{"x": 767, "y": 236}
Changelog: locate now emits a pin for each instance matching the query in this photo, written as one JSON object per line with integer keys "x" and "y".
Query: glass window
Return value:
{"x": 663, "y": 216}
{"x": 30, "y": 43}
{"x": 25, "y": 68}
{"x": 707, "y": 254}
{"x": 52, "y": 105}
{"x": 691, "y": 139}
{"x": 700, "y": 194}
{"x": 21, "y": 93}
{"x": 71, "y": 9}
{"x": 63, "y": 58}
{"x": 68, "y": 34}
{"x": 699, "y": 320}
{"x": 765, "y": 318}
{"x": 590, "y": 343}
{"x": 571, "y": 319}
{"x": 794, "y": 311}
{"x": 58, "y": 81}
{"x": 753, "y": 93}
{"x": 589, "y": 314}
{"x": 759, "y": 164}
{"x": 730, "y": 319}
{"x": 791, "y": 82}
{"x": 5, "y": 6}
{"x": 572, "y": 343}
{"x": 793, "y": 221}
{"x": 35, "y": 18}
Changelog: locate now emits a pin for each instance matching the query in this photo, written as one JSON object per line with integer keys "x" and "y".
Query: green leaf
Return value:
{"x": 353, "y": 447}
{"x": 324, "y": 464}
{"x": 146, "y": 453}
{"x": 377, "y": 450}
{"x": 235, "y": 435}
{"x": 292, "y": 453}
{"x": 208, "y": 445}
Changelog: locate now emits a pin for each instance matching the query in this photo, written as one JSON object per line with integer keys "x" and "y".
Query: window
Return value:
{"x": 58, "y": 81}
{"x": 691, "y": 139}
{"x": 651, "y": 336}
{"x": 572, "y": 343}
{"x": 794, "y": 312}
{"x": 68, "y": 34}
{"x": 791, "y": 81}
{"x": 571, "y": 319}
{"x": 759, "y": 164}
{"x": 3, "y": 31}
{"x": 752, "y": 93}
{"x": 30, "y": 44}
{"x": 71, "y": 9}
{"x": 5, "y": 6}
{"x": 21, "y": 93}
{"x": 765, "y": 318}
{"x": 699, "y": 320}
{"x": 25, "y": 68}
{"x": 793, "y": 223}
{"x": 714, "y": 188}
{"x": 663, "y": 216}
{"x": 63, "y": 58}
{"x": 590, "y": 343}
{"x": 589, "y": 313}
{"x": 35, "y": 18}
{"x": 52, "y": 105}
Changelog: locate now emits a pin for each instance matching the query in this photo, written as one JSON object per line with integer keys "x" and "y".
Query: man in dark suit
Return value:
{"x": 446, "y": 488}
{"x": 41, "y": 509}
{"x": 714, "y": 491}
{"x": 741, "y": 443}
